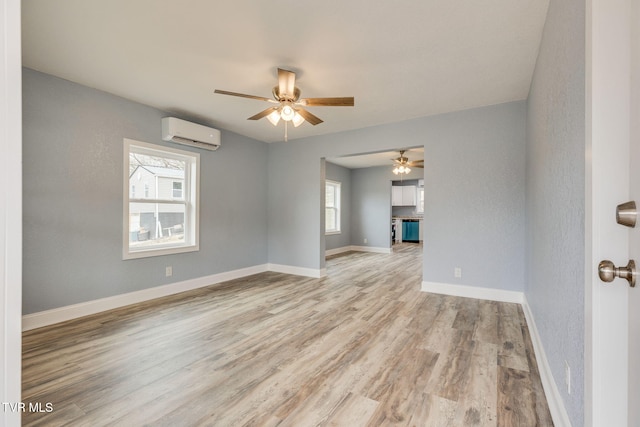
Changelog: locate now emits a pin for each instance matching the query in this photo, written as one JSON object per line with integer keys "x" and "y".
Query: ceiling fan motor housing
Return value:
{"x": 286, "y": 97}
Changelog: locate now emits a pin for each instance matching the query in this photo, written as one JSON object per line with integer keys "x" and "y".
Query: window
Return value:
{"x": 332, "y": 207}
{"x": 165, "y": 219}
{"x": 420, "y": 204}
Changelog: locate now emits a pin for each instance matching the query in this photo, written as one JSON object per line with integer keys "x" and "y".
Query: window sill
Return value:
{"x": 159, "y": 252}
{"x": 331, "y": 233}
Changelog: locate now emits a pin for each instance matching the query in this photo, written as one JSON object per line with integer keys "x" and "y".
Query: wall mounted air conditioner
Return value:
{"x": 192, "y": 134}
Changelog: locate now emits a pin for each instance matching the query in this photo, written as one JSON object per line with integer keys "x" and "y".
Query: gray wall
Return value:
{"x": 73, "y": 180}
{"x": 555, "y": 197}
{"x": 474, "y": 214}
{"x": 371, "y": 207}
{"x": 341, "y": 174}
{"x": 474, "y": 187}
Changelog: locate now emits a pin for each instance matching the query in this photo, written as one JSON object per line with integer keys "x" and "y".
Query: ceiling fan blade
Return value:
{"x": 345, "y": 101}
{"x": 242, "y": 95}
{"x": 314, "y": 120}
{"x": 263, "y": 113}
{"x": 416, "y": 166}
{"x": 286, "y": 83}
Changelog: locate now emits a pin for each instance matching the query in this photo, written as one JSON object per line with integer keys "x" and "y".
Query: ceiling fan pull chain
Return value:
{"x": 285, "y": 131}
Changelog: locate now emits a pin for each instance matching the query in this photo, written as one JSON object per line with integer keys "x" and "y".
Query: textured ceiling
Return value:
{"x": 400, "y": 60}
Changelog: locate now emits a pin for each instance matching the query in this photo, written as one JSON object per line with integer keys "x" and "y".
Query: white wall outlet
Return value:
{"x": 365, "y": 240}
{"x": 567, "y": 376}
{"x": 457, "y": 272}
{"x": 168, "y": 271}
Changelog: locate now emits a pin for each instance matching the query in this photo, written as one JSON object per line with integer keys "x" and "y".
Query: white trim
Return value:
{"x": 473, "y": 292}
{"x": 69, "y": 312}
{"x": 372, "y": 249}
{"x": 337, "y": 201}
{"x": 10, "y": 208}
{"x": 297, "y": 271}
{"x": 554, "y": 398}
{"x": 56, "y": 315}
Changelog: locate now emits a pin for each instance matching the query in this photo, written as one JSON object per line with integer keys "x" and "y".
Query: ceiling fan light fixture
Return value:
{"x": 402, "y": 169}
{"x": 297, "y": 119}
{"x": 287, "y": 113}
{"x": 274, "y": 117}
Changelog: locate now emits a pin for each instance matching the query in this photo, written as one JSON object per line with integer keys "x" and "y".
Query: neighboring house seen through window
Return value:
{"x": 164, "y": 219}
{"x": 177, "y": 189}
{"x": 332, "y": 207}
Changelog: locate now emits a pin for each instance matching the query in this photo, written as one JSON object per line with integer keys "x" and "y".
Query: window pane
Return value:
{"x": 330, "y": 196}
{"x": 157, "y": 174}
{"x": 156, "y": 224}
{"x": 330, "y": 219}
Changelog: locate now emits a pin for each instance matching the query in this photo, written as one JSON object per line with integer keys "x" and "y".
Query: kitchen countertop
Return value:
{"x": 406, "y": 217}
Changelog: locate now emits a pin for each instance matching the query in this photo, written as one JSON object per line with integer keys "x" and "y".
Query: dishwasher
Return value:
{"x": 411, "y": 230}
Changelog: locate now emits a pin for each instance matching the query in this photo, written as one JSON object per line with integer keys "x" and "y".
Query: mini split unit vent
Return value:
{"x": 192, "y": 134}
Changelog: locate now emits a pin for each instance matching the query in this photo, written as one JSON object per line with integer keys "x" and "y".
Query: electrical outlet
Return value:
{"x": 168, "y": 271}
{"x": 457, "y": 272}
{"x": 567, "y": 376}
{"x": 365, "y": 240}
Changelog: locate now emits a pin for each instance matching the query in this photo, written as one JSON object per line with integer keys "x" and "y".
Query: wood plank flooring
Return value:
{"x": 360, "y": 347}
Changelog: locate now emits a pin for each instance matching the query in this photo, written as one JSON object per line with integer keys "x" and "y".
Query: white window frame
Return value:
{"x": 191, "y": 200}
{"x": 337, "y": 202}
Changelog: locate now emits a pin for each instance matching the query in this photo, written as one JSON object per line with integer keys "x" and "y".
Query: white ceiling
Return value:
{"x": 400, "y": 60}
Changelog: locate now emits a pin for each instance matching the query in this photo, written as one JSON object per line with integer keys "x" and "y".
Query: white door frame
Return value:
{"x": 607, "y": 185}
{"x": 10, "y": 208}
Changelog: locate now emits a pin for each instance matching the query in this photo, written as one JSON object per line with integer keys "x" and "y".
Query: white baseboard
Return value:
{"x": 372, "y": 249}
{"x": 69, "y": 312}
{"x": 473, "y": 292}
{"x": 56, "y": 315}
{"x": 298, "y": 271}
{"x": 554, "y": 399}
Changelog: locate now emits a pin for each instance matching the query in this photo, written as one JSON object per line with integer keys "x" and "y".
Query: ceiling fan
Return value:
{"x": 403, "y": 165}
{"x": 290, "y": 107}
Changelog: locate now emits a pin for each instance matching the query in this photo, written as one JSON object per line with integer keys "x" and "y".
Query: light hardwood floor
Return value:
{"x": 360, "y": 347}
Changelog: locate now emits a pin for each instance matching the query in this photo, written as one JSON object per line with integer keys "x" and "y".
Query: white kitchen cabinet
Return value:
{"x": 403, "y": 195}
{"x": 396, "y": 196}
{"x": 409, "y": 195}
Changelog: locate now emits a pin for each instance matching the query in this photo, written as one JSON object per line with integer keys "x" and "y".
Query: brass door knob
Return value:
{"x": 608, "y": 271}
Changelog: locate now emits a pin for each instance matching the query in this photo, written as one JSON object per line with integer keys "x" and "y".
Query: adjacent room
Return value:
{"x": 291, "y": 214}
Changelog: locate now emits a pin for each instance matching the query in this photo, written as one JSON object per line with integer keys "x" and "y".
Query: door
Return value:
{"x": 634, "y": 234}
{"x": 613, "y": 151}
